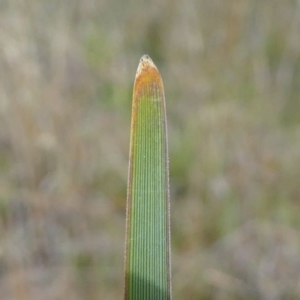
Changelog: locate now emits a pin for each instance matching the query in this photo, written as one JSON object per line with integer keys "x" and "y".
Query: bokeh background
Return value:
{"x": 231, "y": 71}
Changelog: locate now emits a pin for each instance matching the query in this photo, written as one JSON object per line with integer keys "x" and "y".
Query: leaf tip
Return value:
{"x": 147, "y": 73}
{"x": 145, "y": 64}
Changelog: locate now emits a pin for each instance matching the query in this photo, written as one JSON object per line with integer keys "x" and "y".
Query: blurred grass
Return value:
{"x": 231, "y": 71}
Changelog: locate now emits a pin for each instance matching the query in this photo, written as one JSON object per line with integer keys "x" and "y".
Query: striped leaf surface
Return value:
{"x": 147, "y": 257}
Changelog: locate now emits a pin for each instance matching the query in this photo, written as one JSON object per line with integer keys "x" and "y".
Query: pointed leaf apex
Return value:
{"x": 147, "y": 73}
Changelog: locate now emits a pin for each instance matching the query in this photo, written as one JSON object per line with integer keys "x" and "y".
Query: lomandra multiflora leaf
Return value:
{"x": 147, "y": 254}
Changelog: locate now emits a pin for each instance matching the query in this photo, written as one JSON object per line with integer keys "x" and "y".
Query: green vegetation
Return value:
{"x": 147, "y": 261}
{"x": 231, "y": 74}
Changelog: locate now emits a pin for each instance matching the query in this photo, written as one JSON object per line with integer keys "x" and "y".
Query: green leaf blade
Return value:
{"x": 147, "y": 259}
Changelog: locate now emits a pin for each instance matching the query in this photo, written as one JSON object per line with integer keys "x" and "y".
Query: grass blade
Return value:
{"x": 147, "y": 256}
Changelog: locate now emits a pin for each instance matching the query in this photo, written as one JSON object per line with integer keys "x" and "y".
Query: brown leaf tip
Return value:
{"x": 147, "y": 73}
{"x": 145, "y": 63}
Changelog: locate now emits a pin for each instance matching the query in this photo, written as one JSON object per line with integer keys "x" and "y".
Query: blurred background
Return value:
{"x": 231, "y": 71}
